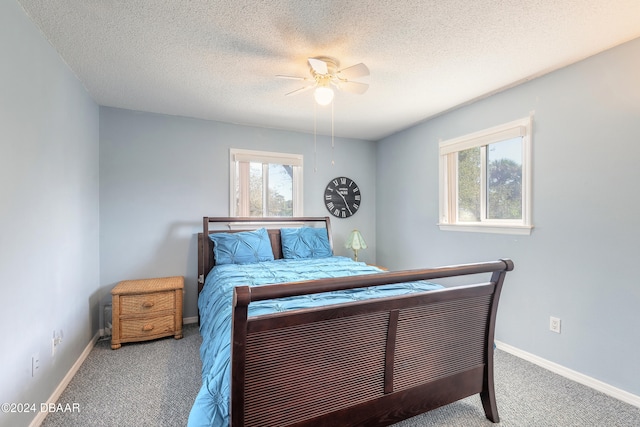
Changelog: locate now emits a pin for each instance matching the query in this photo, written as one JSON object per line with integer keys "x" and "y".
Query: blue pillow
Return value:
{"x": 305, "y": 242}
{"x": 243, "y": 247}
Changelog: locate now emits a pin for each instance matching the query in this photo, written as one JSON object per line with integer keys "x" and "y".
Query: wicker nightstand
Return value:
{"x": 147, "y": 309}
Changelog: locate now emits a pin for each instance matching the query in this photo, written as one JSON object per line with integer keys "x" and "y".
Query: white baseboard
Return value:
{"x": 66, "y": 380}
{"x": 595, "y": 384}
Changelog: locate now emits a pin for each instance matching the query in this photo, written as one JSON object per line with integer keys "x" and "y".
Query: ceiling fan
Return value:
{"x": 325, "y": 74}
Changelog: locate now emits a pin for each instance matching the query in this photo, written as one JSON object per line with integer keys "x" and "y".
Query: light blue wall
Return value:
{"x": 159, "y": 175}
{"x": 48, "y": 213}
{"x": 580, "y": 262}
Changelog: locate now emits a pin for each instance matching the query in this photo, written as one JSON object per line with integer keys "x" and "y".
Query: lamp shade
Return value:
{"x": 355, "y": 241}
{"x": 323, "y": 95}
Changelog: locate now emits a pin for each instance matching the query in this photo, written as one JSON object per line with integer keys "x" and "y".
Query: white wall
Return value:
{"x": 48, "y": 213}
{"x": 580, "y": 262}
{"x": 159, "y": 175}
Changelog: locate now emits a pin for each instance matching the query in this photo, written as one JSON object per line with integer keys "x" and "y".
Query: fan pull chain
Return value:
{"x": 315, "y": 142}
{"x": 333, "y": 145}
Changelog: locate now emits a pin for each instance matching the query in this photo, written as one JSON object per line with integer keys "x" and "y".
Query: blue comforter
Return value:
{"x": 211, "y": 407}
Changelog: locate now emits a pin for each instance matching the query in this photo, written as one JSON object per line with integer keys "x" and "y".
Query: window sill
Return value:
{"x": 522, "y": 230}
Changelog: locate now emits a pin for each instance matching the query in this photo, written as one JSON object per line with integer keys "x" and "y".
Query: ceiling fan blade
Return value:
{"x": 318, "y": 66}
{"x": 353, "y": 87}
{"x": 280, "y": 76}
{"x": 353, "y": 72}
{"x": 300, "y": 90}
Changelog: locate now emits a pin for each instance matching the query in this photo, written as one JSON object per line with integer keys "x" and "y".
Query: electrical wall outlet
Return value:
{"x": 35, "y": 364}
{"x": 57, "y": 339}
{"x": 554, "y": 324}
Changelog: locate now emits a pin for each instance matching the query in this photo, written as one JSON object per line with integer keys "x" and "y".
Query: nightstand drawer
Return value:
{"x": 147, "y": 303}
{"x": 141, "y": 328}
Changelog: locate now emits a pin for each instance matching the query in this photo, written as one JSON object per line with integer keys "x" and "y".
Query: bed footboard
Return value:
{"x": 372, "y": 362}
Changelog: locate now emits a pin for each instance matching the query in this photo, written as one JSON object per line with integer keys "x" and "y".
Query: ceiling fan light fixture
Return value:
{"x": 324, "y": 70}
{"x": 323, "y": 95}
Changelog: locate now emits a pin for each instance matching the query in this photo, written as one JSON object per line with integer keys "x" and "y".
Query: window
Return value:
{"x": 485, "y": 180}
{"x": 265, "y": 184}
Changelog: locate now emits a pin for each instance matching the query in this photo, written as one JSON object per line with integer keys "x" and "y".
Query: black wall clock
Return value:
{"x": 342, "y": 197}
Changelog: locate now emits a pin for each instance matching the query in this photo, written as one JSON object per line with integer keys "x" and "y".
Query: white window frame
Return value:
{"x": 244, "y": 157}
{"x": 449, "y": 179}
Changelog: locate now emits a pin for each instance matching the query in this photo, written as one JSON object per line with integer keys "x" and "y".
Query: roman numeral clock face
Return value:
{"x": 342, "y": 197}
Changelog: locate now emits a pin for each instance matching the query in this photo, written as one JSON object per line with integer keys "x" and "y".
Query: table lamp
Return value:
{"x": 355, "y": 242}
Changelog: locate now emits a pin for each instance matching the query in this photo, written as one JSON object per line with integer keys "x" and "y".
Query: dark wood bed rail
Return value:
{"x": 371, "y": 362}
{"x": 376, "y": 279}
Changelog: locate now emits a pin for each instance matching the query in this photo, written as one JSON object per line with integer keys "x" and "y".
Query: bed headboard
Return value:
{"x": 235, "y": 224}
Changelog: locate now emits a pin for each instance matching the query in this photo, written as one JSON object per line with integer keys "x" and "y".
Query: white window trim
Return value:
{"x": 447, "y": 168}
{"x": 296, "y": 160}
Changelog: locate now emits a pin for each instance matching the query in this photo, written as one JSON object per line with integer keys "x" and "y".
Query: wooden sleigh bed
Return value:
{"x": 369, "y": 362}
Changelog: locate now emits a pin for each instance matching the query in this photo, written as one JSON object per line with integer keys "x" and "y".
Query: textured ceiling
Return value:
{"x": 218, "y": 59}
